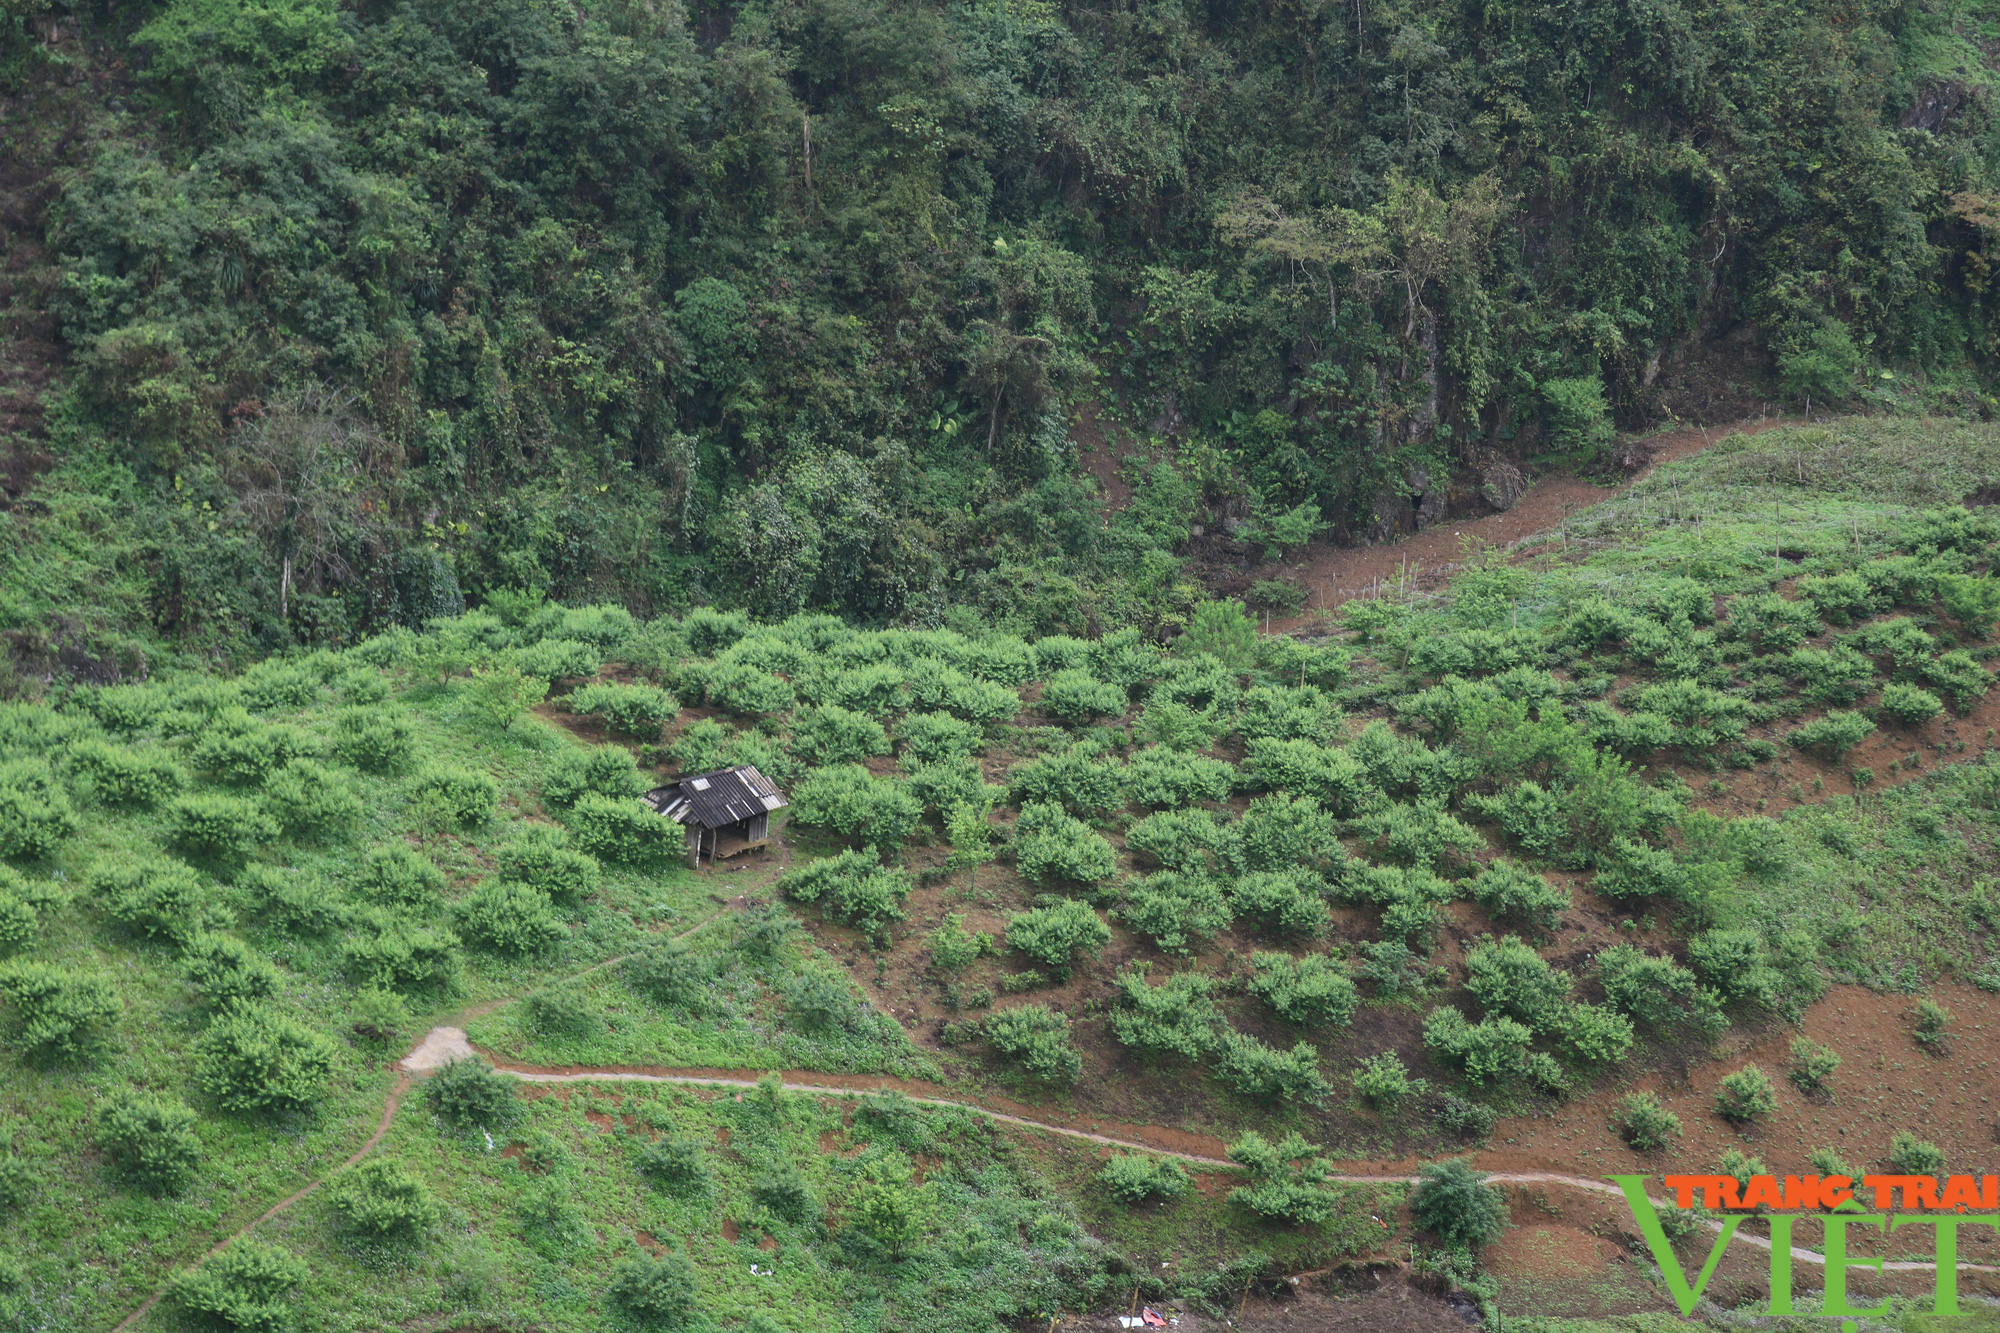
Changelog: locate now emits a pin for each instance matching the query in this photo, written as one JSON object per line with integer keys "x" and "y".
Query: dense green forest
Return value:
{"x": 372, "y": 309}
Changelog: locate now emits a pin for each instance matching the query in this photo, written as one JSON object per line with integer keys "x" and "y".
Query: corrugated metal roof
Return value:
{"x": 712, "y": 800}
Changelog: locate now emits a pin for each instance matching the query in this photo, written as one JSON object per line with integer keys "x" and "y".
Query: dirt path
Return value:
{"x": 1334, "y": 574}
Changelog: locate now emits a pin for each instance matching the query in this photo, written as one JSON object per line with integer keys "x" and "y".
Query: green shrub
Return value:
{"x": 816, "y": 1001}
{"x": 1334, "y": 778}
{"x": 378, "y": 1015}
{"x": 1177, "y": 911}
{"x": 1745, "y": 1095}
{"x": 934, "y": 737}
{"x": 1281, "y": 832}
{"x": 1509, "y": 977}
{"x": 748, "y": 692}
{"x": 1078, "y": 697}
{"x": 382, "y": 1201}
{"x": 150, "y": 1142}
{"x": 1493, "y": 1048}
{"x": 1176, "y": 726}
{"x": 1165, "y": 778}
{"x": 60, "y": 1014}
{"x": 155, "y": 897}
{"x": 1038, "y": 1039}
{"x": 1287, "y": 712}
{"x": 1268, "y": 1073}
{"x": 954, "y": 947}
{"x": 308, "y": 800}
{"x": 467, "y": 1093}
{"x": 1472, "y": 1120}
{"x": 373, "y": 740}
{"x": 541, "y": 858}
{"x": 656, "y": 1293}
{"x": 1055, "y": 935}
{"x": 19, "y": 921}
{"x": 453, "y": 797}
{"x": 1223, "y": 631}
{"x": 1910, "y": 705}
{"x": 1288, "y": 902}
{"x": 1912, "y": 1156}
{"x": 574, "y": 773}
{"x": 503, "y": 692}
{"x": 1454, "y": 1203}
{"x": 1053, "y": 847}
{"x": 853, "y": 887}
{"x": 218, "y": 827}
{"x": 783, "y": 1193}
{"x": 1506, "y": 890}
{"x": 227, "y": 971}
{"x": 669, "y": 973}
{"x": 1130, "y": 1178}
{"x": 638, "y": 711}
{"x": 1656, "y": 991}
{"x": 1312, "y": 991}
{"x": 237, "y": 749}
{"x": 394, "y": 874}
{"x": 127, "y": 775}
{"x": 1932, "y": 1018}
{"x": 709, "y": 631}
{"x": 123, "y": 708}
{"x": 1177, "y": 839}
{"x": 509, "y": 918}
{"x": 252, "y": 1059}
{"x": 677, "y": 1165}
{"x": 1176, "y": 1017}
{"x": 1579, "y": 415}
{"x": 1832, "y": 735}
{"x": 33, "y": 823}
{"x": 245, "y": 1287}
{"x": 1593, "y": 1034}
{"x": 556, "y": 659}
{"x": 1643, "y": 1123}
{"x": 627, "y": 831}
{"x": 830, "y": 734}
{"x": 851, "y": 801}
{"x": 19, "y": 1182}
{"x": 1291, "y": 1182}
{"x": 1384, "y": 1082}
{"x": 564, "y": 1012}
{"x": 1958, "y": 675}
{"x": 1076, "y": 779}
{"x": 1812, "y": 1064}
{"x": 875, "y": 689}
{"x": 385, "y": 952}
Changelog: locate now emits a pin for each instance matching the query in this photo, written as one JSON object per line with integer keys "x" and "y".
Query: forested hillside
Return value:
{"x": 356, "y": 312}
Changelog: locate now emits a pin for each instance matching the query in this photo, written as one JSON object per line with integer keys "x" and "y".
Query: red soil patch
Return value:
{"x": 769, "y": 1244}
{"x": 730, "y": 1231}
{"x": 1099, "y": 451}
{"x": 601, "y": 1120}
{"x": 722, "y": 1136}
{"x": 649, "y": 1244}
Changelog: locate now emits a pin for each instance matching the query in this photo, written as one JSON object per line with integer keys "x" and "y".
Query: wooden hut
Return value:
{"x": 725, "y": 812}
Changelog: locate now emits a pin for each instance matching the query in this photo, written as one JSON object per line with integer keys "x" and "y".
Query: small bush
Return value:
{"x": 626, "y": 831}
{"x": 830, "y": 734}
{"x": 1506, "y": 890}
{"x": 1076, "y": 779}
{"x": 1454, "y": 1203}
{"x": 1177, "y": 911}
{"x": 398, "y": 876}
{"x": 1177, "y": 839}
{"x": 542, "y": 858}
{"x": 468, "y": 1093}
{"x": 564, "y": 1013}
{"x": 1290, "y": 1181}
{"x": 1491, "y": 1049}
{"x": 1932, "y": 1019}
{"x": 1830, "y": 1163}
{"x": 1645, "y": 1124}
{"x": 782, "y": 1192}
{"x": 1166, "y": 778}
{"x": 954, "y": 947}
{"x": 1057, "y": 934}
{"x": 246, "y": 1287}
{"x": 382, "y": 1201}
{"x": 638, "y": 711}
{"x": 509, "y": 918}
{"x": 19, "y": 921}
{"x": 1384, "y": 1082}
{"x": 850, "y": 801}
{"x": 379, "y": 1016}
{"x": 1912, "y": 1156}
{"x": 308, "y": 800}
{"x": 1910, "y": 705}
{"x": 1591, "y": 1033}
{"x": 453, "y": 798}
{"x": 1312, "y": 991}
{"x": 255, "y": 1060}
{"x": 217, "y": 826}
{"x": 1038, "y": 1039}
{"x": 1051, "y": 847}
{"x": 1131, "y": 1178}
{"x": 1175, "y": 1018}
{"x": 1832, "y": 735}
{"x": 604, "y": 769}
{"x": 227, "y": 971}
{"x": 1812, "y": 1064}
{"x": 128, "y": 775}
{"x": 373, "y": 740}
{"x": 1269, "y": 1073}
{"x": 386, "y": 952}
{"x": 1509, "y": 977}
{"x": 158, "y": 898}
{"x": 853, "y": 887}
{"x": 1472, "y": 1120}
{"x": 150, "y": 1142}
{"x": 669, "y": 973}
{"x": 679, "y": 1166}
{"x": 1078, "y": 697}
{"x": 818, "y": 1001}
{"x": 1281, "y": 832}
{"x": 60, "y": 1014}
{"x": 1745, "y": 1095}
{"x": 929, "y": 738}
{"x": 1657, "y": 991}
{"x": 747, "y": 692}
{"x": 656, "y": 1293}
